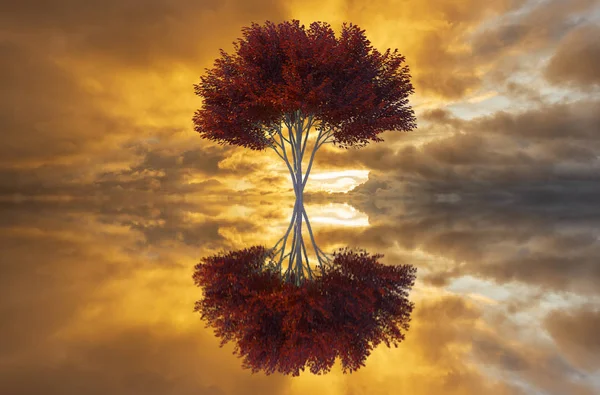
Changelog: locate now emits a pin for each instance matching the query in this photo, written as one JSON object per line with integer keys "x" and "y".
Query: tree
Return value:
{"x": 293, "y": 90}
{"x": 285, "y": 83}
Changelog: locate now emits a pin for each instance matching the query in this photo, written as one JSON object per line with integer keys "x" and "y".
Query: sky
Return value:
{"x": 108, "y": 198}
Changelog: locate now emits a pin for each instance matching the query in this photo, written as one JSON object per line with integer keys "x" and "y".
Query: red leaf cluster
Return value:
{"x": 354, "y": 305}
{"x": 277, "y": 69}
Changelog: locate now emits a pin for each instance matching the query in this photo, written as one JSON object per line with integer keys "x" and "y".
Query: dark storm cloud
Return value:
{"x": 541, "y": 368}
{"x": 460, "y": 196}
{"x": 158, "y": 219}
{"x": 206, "y": 160}
{"x": 521, "y": 91}
{"x": 577, "y": 59}
{"x": 516, "y": 44}
{"x": 493, "y": 352}
{"x": 500, "y": 38}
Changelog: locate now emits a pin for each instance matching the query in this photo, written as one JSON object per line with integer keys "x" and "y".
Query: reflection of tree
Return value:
{"x": 282, "y": 81}
{"x": 353, "y": 305}
{"x": 298, "y": 267}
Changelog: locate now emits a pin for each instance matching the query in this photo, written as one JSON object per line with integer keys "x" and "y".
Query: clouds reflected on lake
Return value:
{"x": 506, "y": 296}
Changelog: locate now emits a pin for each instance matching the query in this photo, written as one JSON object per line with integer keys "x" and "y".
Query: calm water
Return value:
{"x": 96, "y": 296}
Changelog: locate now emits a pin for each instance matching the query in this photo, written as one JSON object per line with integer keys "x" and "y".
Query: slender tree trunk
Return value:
{"x": 297, "y": 139}
{"x": 300, "y": 204}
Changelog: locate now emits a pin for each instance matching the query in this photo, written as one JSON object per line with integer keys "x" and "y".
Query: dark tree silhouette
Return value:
{"x": 289, "y": 88}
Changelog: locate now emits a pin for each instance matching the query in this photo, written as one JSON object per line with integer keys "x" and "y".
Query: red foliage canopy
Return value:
{"x": 345, "y": 83}
{"x": 353, "y": 306}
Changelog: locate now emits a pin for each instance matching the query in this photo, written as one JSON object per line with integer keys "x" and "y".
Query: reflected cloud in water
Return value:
{"x": 500, "y": 293}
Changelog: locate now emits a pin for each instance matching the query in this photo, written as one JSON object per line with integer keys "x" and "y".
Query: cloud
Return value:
{"x": 136, "y": 360}
{"x": 77, "y": 108}
{"x": 85, "y": 299}
{"x": 493, "y": 198}
{"x": 577, "y": 59}
{"x": 39, "y": 286}
{"x": 433, "y": 54}
{"x": 575, "y": 333}
{"x": 550, "y": 245}
{"x": 455, "y": 48}
{"x": 533, "y": 28}
{"x": 99, "y": 96}
{"x": 137, "y": 33}
{"x": 92, "y": 308}
{"x": 546, "y": 152}
{"x": 451, "y": 341}
{"x": 570, "y": 121}
{"x": 431, "y": 34}
{"x": 45, "y": 115}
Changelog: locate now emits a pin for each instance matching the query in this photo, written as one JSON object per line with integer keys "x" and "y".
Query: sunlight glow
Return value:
{"x": 338, "y": 181}
{"x": 337, "y": 214}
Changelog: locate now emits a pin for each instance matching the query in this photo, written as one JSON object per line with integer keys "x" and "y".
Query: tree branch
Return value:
{"x": 294, "y": 151}
{"x": 277, "y": 152}
{"x": 310, "y": 233}
{"x": 285, "y": 139}
{"x": 310, "y": 122}
{"x": 312, "y": 158}
{"x": 287, "y": 162}
{"x": 328, "y": 140}
{"x": 293, "y": 251}
{"x": 310, "y": 273}
{"x": 287, "y": 233}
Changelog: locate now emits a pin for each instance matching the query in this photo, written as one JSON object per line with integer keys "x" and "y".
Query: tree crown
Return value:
{"x": 347, "y": 85}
